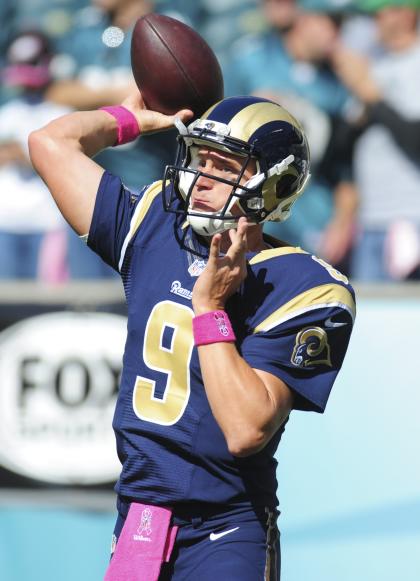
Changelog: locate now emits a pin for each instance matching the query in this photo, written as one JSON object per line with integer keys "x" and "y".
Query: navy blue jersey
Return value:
{"x": 292, "y": 317}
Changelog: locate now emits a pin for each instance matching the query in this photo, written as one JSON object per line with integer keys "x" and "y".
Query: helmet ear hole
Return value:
{"x": 286, "y": 185}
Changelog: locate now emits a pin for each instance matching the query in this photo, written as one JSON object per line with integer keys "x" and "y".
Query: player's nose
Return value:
{"x": 204, "y": 182}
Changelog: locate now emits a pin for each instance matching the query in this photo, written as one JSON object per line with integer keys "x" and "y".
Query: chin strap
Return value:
{"x": 281, "y": 167}
{"x": 257, "y": 203}
{"x": 277, "y": 169}
{"x": 183, "y": 131}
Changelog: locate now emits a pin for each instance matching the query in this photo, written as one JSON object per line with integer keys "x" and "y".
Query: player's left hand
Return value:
{"x": 223, "y": 274}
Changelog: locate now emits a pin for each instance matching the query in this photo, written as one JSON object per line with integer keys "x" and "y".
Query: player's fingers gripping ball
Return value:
{"x": 173, "y": 66}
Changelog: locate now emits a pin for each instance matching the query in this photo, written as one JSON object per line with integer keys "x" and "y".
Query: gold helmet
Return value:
{"x": 251, "y": 128}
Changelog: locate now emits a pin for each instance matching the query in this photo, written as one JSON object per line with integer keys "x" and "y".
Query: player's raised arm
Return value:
{"x": 61, "y": 152}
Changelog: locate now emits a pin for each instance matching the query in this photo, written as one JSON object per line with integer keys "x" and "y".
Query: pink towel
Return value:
{"x": 52, "y": 261}
{"x": 145, "y": 542}
{"x": 402, "y": 249}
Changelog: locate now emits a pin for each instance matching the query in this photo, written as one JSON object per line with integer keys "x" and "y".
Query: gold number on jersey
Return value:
{"x": 336, "y": 274}
{"x": 174, "y": 362}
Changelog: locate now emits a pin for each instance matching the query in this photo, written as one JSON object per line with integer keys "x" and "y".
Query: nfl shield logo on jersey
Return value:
{"x": 197, "y": 267}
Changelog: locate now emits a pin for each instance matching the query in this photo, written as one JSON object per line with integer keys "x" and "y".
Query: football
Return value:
{"x": 173, "y": 66}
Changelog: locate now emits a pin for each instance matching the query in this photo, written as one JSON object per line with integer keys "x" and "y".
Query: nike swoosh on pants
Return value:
{"x": 215, "y": 536}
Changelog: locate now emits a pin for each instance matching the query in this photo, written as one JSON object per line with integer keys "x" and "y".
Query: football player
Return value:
{"x": 228, "y": 330}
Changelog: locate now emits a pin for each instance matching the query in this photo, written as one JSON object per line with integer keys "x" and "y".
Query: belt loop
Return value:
{"x": 196, "y": 521}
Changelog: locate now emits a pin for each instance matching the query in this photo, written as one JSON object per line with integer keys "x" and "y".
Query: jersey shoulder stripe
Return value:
{"x": 139, "y": 215}
{"x": 275, "y": 252}
{"x": 319, "y": 297}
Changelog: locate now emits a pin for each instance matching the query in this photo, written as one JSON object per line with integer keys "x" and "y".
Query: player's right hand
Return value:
{"x": 151, "y": 121}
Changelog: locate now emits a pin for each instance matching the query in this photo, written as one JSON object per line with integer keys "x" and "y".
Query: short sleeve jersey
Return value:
{"x": 292, "y": 317}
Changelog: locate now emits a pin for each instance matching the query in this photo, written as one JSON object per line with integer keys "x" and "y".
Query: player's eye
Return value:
{"x": 229, "y": 169}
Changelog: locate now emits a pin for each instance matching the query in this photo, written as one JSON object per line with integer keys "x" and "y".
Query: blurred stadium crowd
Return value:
{"x": 348, "y": 70}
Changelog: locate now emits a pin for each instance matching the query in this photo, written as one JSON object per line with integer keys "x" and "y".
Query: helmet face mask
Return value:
{"x": 248, "y": 128}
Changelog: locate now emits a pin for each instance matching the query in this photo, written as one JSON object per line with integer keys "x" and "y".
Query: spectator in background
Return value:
{"x": 280, "y": 14}
{"x": 224, "y": 21}
{"x": 8, "y": 20}
{"x": 98, "y": 50}
{"x": 192, "y": 13}
{"x": 289, "y": 64}
{"x": 7, "y": 17}
{"x": 387, "y": 153}
{"x": 26, "y": 212}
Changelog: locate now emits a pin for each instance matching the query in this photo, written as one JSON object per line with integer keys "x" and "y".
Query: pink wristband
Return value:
{"x": 212, "y": 327}
{"x": 128, "y": 128}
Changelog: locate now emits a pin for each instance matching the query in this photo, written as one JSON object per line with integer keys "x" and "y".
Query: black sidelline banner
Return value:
{"x": 60, "y": 362}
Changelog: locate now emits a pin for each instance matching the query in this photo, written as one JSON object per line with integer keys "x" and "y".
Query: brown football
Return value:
{"x": 173, "y": 66}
